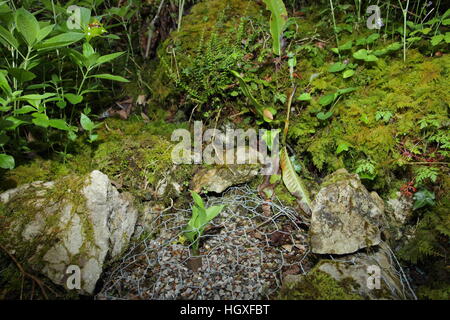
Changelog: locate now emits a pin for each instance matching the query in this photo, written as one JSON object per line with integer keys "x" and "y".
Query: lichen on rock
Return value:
{"x": 77, "y": 220}
{"x": 345, "y": 217}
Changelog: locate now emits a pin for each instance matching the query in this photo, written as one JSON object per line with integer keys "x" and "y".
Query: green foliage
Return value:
{"x": 318, "y": 285}
{"x": 425, "y": 174}
{"x": 266, "y": 113}
{"x": 431, "y": 235}
{"x": 30, "y": 99}
{"x": 383, "y": 115}
{"x": 293, "y": 182}
{"x": 366, "y": 169}
{"x": 201, "y": 216}
{"x": 278, "y": 21}
{"x": 423, "y": 198}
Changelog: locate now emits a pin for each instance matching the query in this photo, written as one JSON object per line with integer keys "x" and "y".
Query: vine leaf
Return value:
{"x": 293, "y": 182}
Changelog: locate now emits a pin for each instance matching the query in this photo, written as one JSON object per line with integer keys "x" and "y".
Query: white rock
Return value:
{"x": 58, "y": 234}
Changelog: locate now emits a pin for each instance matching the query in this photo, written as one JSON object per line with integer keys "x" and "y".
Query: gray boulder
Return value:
{"x": 374, "y": 276}
{"x": 345, "y": 216}
{"x": 75, "y": 221}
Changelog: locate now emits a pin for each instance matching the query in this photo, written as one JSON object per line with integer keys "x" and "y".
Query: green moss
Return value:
{"x": 410, "y": 91}
{"x": 133, "y": 153}
{"x": 284, "y": 195}
{"x": 318, "y": 285}
{"x": 45, "y": 205}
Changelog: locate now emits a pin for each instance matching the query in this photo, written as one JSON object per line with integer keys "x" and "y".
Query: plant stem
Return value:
{"x": 405, "y": 16}
{"x": 334, "y": 24}
{"x": 288, "y": 114}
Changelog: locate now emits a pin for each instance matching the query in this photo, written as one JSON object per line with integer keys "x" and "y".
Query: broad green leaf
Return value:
{"x": 6, "y": 161}
{"x": 78, "y": 58}
{"x": 361, "y": 42}
{"x": 44, "y": 32}
{"x": 345, "y": 90}
{"x": 324, "y": 116}
{"x": 21, "y": 75}
{"x": 346, "y": 46}
{"x": 372, "y": 38}
{"x": 27, "y": 25}
{"x": 278, "y": 21}
{"x": 447, "y": 37}
{"x": 413, "y": 39}
{"x": 72, "y": 135}
{"x": 394, "y": 46}
{"x": 363, "y": 54}
{"x": 269, "y": 137}
{"x": 88, "y": 50}
{"x": 348, "y": 73}
{"x": 327, "y": 99}
{"x": 59, "y": 124}
{"x": 11, "y": 123}
{"x": 197, "y": 199}
{"x": 61, "y": 104}
{"x": 437, "y": 39}
{"x": 9, "y": 38}
{"x": 304, "y": 97}
{"x": 25, "y": 109}
{"x": 4, "y": 85}
{"x": 41, "y": 120}
{"x": 110, "y": 77}
{"x": 213, "y": 211}
{"x": 108, "y": 57}
{"x": 337, "y": 67}
{"x": 37, "y": 96}
{"x": 86, "y": 123}
{"x": 293, "y": 182}
{"x": 446, "y": 14}
{"x": 61, "y": 40}
{"x": 73, "y": 98}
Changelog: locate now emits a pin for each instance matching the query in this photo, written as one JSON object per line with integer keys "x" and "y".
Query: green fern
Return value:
{"x": 431, "y": 237}
{"x": 425, "y": 174}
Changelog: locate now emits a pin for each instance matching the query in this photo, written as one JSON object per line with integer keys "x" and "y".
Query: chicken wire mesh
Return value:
{"x": 244, "y": 253}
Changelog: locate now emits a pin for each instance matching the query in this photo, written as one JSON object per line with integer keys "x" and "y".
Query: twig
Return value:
{"x": 26, "y": 274}
{"x": 151, "y": 28}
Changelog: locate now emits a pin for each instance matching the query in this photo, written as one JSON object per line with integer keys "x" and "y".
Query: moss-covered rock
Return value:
{"x": 345, "y": 216}
{"x": 75, "y": 221}
{"x": 316, "y": 285}
{"x": 360, "y": 276}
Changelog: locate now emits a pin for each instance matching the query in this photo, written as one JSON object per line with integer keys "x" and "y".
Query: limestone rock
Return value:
{"x": 219, "y": 178}
{"x": 401, "y": 208}
{"x": 370, "y": 276}
{"x": 345, "y": 216}
{"x": 78, "y": 221}
{"x": 373, "y": 275}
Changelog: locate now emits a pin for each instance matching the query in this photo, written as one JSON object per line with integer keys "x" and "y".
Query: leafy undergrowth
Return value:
{"x": 134, "y": 154}
{"x": 358, "y": 106}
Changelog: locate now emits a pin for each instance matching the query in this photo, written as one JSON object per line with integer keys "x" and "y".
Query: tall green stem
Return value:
{"x": 405, "y": 16}
{"x": 334, "y": 24}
